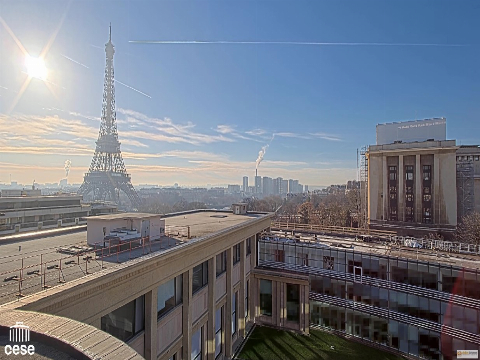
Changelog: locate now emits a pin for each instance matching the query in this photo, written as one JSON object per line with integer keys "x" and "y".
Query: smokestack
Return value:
{"x": 256, "y": 172}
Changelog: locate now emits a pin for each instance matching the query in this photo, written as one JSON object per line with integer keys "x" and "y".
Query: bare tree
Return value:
{"x": 468, "y": 230}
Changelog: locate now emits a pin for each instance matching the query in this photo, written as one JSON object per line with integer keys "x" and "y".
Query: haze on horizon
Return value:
{"x": 199, "y": 113}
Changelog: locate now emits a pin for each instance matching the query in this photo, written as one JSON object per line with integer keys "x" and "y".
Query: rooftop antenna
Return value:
{"x": 110, "y": 33}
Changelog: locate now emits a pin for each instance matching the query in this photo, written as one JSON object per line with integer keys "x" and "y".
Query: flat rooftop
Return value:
{"x": 206, "y": 222}
{"x": 122, "y": 216}
{"x": 39, "y": 256}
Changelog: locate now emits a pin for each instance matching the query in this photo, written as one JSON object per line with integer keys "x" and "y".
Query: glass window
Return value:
{"x": 266, "y": 297}
{"x": 236, "y": 254}
{"x": 197, "y": 345}
{"x": 221, "y": 263}
{"x": 169, "y": 295}
{"x": 234, "y": 313}
{"x": 200, "y": 276}
{"x": 248, "y": 245}
{"x": 293, "y": 302}
{"x": 126, "y": 321}
{"x": 218, "y": 331}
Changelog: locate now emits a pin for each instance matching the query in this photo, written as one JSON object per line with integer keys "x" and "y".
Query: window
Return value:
{"x": 249, "y": 244}
{"x": 236, "y": 254}
{"x": 169, "y": 295}
{"x": 126, "y": 321}
{"x": 197, "y": 345}
{"x": 221, "y": 263}
{"x": 328, "y": 262}
{"x": 234, "y": 313}
{"x": 293, "y": 302}
{"x": 279, "y": 255}
{"x": 266, "y": 297}
{"x": 200, "y": 276}
{"x": 218, "y": 331}
{"x": 476, "y": 158}
{"x": 246, "y": 300}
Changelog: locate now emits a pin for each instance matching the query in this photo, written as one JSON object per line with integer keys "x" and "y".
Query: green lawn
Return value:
{"x": 269, "y": 344}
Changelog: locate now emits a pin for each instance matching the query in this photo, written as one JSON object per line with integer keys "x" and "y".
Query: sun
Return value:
{"x": 36, "y": 67}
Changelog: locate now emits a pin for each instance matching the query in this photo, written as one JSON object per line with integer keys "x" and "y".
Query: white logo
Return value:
{"x": 19, "y": 333}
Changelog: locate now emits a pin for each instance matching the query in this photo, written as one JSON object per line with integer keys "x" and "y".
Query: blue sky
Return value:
{"x": 211, "y": 107}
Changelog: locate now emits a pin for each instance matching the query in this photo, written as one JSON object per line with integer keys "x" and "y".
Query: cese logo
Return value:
{"x": 19, "y": 350}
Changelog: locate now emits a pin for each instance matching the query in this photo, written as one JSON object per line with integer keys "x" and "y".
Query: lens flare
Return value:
{"x": 36, "y": 67}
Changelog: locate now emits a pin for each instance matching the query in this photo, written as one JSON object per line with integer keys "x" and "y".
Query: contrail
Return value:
{"x": 76, "y": 62}
{"x": 133, "y": 89}
{"x": 200, "y": 42}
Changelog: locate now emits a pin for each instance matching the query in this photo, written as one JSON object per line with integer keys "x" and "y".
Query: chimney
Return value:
{"x": 256, "y": 172}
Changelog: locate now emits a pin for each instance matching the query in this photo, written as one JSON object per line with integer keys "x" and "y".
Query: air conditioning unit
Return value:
{"x": 59, "y": 223}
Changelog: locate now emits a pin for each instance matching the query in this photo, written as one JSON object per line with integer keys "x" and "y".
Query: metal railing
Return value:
{"x": 332, "y": 229}
{"x": 36, "y": 272}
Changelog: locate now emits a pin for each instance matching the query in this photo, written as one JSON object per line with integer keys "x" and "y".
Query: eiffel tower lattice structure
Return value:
{"x": 107, "y": 175}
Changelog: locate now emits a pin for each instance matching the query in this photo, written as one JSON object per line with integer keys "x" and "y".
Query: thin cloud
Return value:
{"x": 227, "y": 129}
{"x": 292, "y": 135}
{"x": 326, "y": 136}
{"x": 256, "y": 132}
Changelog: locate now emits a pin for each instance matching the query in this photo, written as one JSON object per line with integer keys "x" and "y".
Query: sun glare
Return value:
{"x": 36, "y": 67}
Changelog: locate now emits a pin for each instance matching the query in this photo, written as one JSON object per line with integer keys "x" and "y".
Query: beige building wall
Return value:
{"x": 441, "y": 155}
{"x": 89, "y": 298}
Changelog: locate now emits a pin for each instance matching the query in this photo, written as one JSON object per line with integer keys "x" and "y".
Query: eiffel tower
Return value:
{"x": 107, "y": 175}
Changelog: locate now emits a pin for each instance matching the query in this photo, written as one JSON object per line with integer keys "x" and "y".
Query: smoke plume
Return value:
{"x": 261, "y": 154}
{"x": 67, "y": 166}
{"x": 262, "y": 151}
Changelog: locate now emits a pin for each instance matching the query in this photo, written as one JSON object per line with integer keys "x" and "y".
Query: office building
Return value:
{"x": 409, "y": 183}
{"x": 245, "y": 184}
{"x": 188, "y": 295}
{"x": 267, "y": 184}
{"x": 27, "y": 213}
{"x": 258, "y": 184}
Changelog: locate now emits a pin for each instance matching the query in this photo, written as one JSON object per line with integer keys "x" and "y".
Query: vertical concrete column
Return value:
{"x": 187, "y": 314}
{"x": 254, "y": 297}
{"x": 418, "y": 189}
{"x": 307, "y": 309}
{"x": 282, "y": 300}
{"x": 401, "y": 189}
{"x": 254, "y": 247}
{"x": 151, "y": 324}
{"x": 211, "y": 308}
{"x": 241, "y": 291}
{"x": 437, "y": 215}
{"x": 385, "y": 189}
{"x": 228, "y": 305}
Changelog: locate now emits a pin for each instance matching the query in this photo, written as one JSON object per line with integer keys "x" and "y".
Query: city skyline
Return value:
{"x": 199, "y": 114}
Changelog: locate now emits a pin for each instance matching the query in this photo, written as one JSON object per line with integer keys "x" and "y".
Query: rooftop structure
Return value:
{"x": 410, "y": 131}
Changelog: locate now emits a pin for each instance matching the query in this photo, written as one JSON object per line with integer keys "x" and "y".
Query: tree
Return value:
{"x": 468, "y": 230}
{"x": 306, "y": 212}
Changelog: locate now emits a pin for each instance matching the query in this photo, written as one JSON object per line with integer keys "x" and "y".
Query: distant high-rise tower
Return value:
{"x": 107, "y": 174}
{"x": 245, "y": 184}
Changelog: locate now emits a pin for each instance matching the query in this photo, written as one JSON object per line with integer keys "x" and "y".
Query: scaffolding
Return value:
{"x": 362, "y": 162}
{"x": 465, "y": 189}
